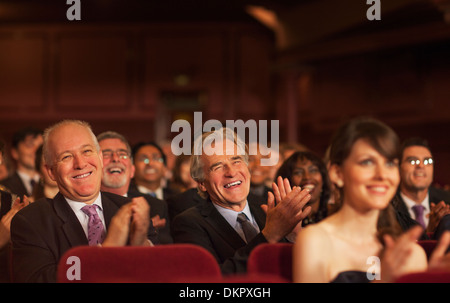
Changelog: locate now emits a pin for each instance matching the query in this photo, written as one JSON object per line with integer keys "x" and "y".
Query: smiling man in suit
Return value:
{"x": 43, "y": 231}
{"x": 222, "y": 223}
{"x": 416, "y": 197}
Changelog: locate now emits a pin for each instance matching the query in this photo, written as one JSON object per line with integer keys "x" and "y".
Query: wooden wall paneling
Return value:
{"x": 24, "y": 80}
{"x": 254, "y": 68}
{"x": 93, "y": 72}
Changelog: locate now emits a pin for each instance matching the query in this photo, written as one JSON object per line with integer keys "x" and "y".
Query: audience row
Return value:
{"x": 370, "y": 197}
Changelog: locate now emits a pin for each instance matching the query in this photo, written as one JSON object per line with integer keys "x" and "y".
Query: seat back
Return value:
{"x": 428, "y": 246}
{"x": 271, "y": 259}
{"x": 157, "y": 264}
{"x": 425, "y": 277}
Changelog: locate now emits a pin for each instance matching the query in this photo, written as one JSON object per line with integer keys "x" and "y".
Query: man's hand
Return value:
{"x": 158, "y": 222}
{"x": 285, "y": 210}
{"x": 436, "y": 213}
{"x": 140, "y": 221}
{"x": 119, "y": 227}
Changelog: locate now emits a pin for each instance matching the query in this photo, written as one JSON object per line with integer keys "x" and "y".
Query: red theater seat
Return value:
{"x": 176, "y": 263}
{"x": 426, "y": 277}
{"x": 428, "y": 246}
{"x": 272, "y": 259}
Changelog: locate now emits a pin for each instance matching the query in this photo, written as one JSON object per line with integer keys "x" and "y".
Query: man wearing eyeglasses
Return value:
{"x": 118, "y": 170}
{"x": 151, "y": 165}
{"x": 416, "y": 197}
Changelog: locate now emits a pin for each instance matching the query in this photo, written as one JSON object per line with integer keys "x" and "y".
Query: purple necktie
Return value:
{"x": 95, "y": 226}
{"x": 418, "y": 211}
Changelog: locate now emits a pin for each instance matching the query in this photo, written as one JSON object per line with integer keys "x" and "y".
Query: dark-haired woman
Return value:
{"x": 347, "y": 245}
{"x": 307, "y": 170}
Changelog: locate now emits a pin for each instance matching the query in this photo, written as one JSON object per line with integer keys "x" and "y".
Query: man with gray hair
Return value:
{"x": 231, "y": 222}
{"x": 79, "y": 214}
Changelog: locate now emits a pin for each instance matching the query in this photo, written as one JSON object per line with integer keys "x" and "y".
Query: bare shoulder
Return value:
{"x": 310, "y": 259}
{"x": 418, "y": 257}
{"x": 314, "y": 233}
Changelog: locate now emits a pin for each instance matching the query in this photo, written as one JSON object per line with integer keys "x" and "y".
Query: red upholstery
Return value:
{"x": 426, "y": 277}
{"x": 272, "y": 259}
{"x": 158, "y": 264}
{"x": 428, "y": 246}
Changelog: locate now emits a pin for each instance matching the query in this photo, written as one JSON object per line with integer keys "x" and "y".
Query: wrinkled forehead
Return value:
{"x": 70, "y": 137}
{"x": 222, "y": 147}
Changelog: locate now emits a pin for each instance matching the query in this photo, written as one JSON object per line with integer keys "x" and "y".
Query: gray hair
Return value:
{"x": 49, "y": 130}
{"x": 115, "y": 135}
{"x": 222, "y": 134}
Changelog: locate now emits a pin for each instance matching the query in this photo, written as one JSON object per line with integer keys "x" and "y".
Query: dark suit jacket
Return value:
{"x": 15, "y": 185}
{"x": 436, "y": 195}
{"x": 180, "y": 202}
{"x": 5, "y": 199}
{"x": 43, "y": 231}
{"x": 6, "y": 202}
{"x": 157, "y": 207}
{"x": 203, "y": 225}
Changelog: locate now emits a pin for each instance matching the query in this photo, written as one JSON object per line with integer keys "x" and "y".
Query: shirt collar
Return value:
{"x": 410, "y": 203}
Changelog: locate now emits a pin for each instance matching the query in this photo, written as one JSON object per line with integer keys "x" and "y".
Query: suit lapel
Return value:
{"x": 110, "y": 207}
{"x": 220, "y": 225}
{"x": 70, "y": 224}
{"x": 258, "y": 213}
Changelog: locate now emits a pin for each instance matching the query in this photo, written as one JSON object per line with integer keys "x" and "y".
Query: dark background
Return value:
{"x": 135, "y": 66}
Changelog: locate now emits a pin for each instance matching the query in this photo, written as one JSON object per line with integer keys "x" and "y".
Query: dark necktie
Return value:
{"x": 249, "y": 230}
{"x": 418, "y": 211}
{"x": 96, "y": 232}
{"x": 33, "y": 184}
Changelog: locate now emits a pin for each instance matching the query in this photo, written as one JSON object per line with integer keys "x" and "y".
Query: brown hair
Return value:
{"x": 385, "y": 141}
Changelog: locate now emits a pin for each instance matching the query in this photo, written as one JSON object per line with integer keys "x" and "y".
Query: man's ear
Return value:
{"x": 14, "y": 154}
{"x": 50, "y": 172}
{"x": 335, "y": 174}
{"x": 201, "y": 185}
{"x": 133, "y": 170}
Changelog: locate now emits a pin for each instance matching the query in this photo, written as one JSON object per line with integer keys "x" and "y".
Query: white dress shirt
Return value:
{"x": 231, "y": 217}
{"x": 84, "y": 218}
{"x": 410, "y": 203}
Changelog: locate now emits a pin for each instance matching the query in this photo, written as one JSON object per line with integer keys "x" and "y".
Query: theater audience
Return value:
{"x": 151, "y": 166}
{"x": 258, "y": 172}
{"x": 230, "y": 223}
{"x": 181, "y": 174}
{"x": 416, "y": 197}
{"x": 118, "y": 169}
{"x": 307, "y": 170}
{"x": 46, "y": 187}
{"x": 43, "y": 231}
{"x": 364, "y": 159}
{"x": 25, "y": 142}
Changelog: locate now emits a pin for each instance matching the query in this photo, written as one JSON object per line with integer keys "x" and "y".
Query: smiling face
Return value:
{"x": 416, "y": 177}
{"x": 25, "y": 153}
{"x": 369, "y": 180}
{"x": 117, "y": 167}
{"x": 226, "y": 176}
{"x": 150, "y": 168}
{"x": 307, "y": 175}
{"x": 76, "y": 164}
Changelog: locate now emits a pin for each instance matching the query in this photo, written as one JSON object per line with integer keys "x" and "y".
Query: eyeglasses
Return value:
{"x": 122, "y": 154}
{"x": 416, "y": 162}
{"x": 147, "y": 160}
